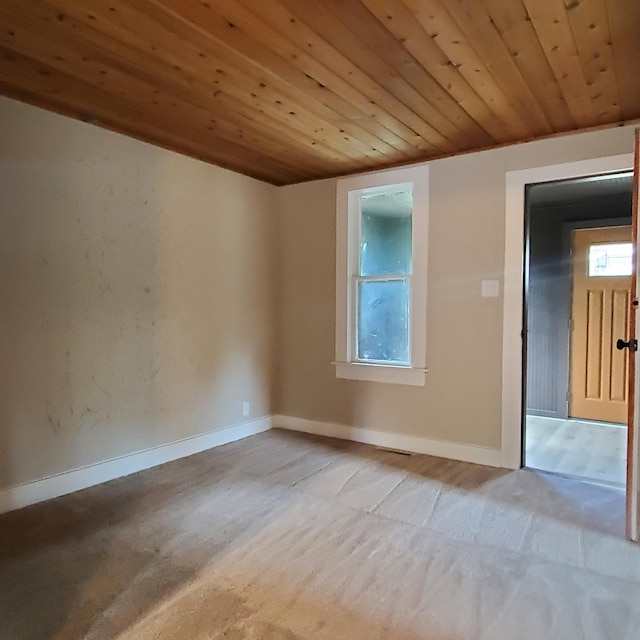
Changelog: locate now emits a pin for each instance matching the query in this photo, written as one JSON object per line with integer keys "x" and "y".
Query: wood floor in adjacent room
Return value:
{"x": 579, "y": 448}
{"x": 287, "y": 537}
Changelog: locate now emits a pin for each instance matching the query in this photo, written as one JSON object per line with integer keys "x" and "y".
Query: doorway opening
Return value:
{"x": 577, "y": 298}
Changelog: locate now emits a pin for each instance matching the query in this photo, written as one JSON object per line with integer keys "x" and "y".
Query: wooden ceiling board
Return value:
{"x": 228, "y": 92}
{"x": 590, "y": 27}
{"x": 271, "y": 99}
{"x": 624, "y": 18}
{"x": 118, "y": 82}
{"x": 159, "y": 104}
{"x": 449, "y": 38}
{"x": 551, "y": 22}
{"x": 47, "y": 88}
{"x": 515, "y": 28}
{"x": 294, "y": 90}
{"x": 480, "y": 31}
{"x": 225, "y": 92}
{"x": 407, "y": 30}
{"x": 377, "y": 52}
{"x": 318, "y": 59}
{"x": 281, "y": 57}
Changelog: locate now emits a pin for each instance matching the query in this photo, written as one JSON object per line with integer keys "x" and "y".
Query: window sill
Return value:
{"x": 381, "y": 373}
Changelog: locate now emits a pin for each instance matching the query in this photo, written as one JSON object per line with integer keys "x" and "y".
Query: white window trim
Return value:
{"x": 416, "y": 178}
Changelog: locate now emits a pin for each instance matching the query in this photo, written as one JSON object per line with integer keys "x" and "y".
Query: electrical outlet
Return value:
{"x": 246, "y": 408}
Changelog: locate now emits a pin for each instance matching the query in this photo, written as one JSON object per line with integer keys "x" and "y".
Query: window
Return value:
{"x": 610, "y": 259}
{"x": 381, "y": 276}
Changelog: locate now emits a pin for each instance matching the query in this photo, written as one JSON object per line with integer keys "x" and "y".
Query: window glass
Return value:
{"x": 385, "y": 233}
{"x": 383, "y": 321}
{"x": 610, "y": 259}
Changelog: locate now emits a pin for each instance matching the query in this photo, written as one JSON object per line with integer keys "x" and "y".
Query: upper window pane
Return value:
{"x": 385, "y": 233}
{"x": 611, "y": 259}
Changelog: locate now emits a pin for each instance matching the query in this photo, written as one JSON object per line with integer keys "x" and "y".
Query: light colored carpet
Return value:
{"x": 284, "y": 537}
{"x": 592, "y": 450}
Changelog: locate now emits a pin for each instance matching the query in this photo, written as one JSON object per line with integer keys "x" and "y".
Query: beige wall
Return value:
{"x": 136, "y": 295}
{"x": 144, "y": 296}
{"x": 461, "y": 401}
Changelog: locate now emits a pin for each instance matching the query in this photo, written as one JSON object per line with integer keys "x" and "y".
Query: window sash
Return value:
{"x": 355, "y": 259}
{"x": 355, "y": 317}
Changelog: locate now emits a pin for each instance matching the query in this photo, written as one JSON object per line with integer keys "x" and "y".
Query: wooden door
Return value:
{"x": 633, "y": 442}
{"x": 600, "y": 310}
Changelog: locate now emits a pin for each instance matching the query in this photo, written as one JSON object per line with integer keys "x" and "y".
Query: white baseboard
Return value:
{"x": 76, "y": 479}
{"x": 414, "y": 444}
{"x": 84, "y": 477}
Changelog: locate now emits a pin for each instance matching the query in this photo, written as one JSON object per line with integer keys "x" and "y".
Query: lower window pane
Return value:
{"x": 383, "y": 321}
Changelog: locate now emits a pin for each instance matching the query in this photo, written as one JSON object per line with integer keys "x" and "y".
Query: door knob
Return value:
{"x": 632, "y": 345}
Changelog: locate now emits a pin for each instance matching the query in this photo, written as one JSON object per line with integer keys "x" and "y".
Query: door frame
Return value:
{"x": 513, "y": 405}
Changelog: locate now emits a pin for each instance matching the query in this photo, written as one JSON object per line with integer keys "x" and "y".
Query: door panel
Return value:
{"x": 619, "y": 329}
{"x": 599, "y": 316}
{"x": 633, "y": 442}
{"x": 593, "y": 333}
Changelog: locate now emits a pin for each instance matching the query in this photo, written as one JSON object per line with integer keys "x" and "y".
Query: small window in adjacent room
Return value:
{"x": 610, "y": 259}
{"x": 381, "y": 276}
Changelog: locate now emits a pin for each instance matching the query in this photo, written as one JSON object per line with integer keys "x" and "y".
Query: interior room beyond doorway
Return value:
{"x": 576, "y": 378}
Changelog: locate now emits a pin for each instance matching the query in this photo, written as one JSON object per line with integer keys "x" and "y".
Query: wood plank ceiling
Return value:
{"x": 292, "y": 90}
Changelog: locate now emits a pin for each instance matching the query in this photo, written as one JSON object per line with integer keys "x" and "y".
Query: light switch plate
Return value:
{"x": 490, "y": 288}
